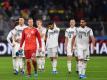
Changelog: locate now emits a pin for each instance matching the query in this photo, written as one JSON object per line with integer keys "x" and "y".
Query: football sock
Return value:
{"x": 80, "y": 66}
{"x": 28, "y": 67}
{"x": 17, "y": 64}
{"x": 69, "y": 65}
{"x": 39, "y": 63}
{"x": 34, "y": 65}
{"x": 14, "y": 63}
{"x": 84, "y": 68}
{"x": 42, "y": 63}
{"x": 76, "y": 66}
{"x": 54, "y": 64}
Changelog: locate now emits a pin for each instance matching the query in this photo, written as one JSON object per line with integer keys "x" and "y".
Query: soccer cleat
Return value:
{"x": 22, "y": 72}
{"x": 54, "y": 72}
{"x": 69, "y": 72}
{"x": 28, "y": 76}
{"x": 77, "y": 72}
{"x": 16, "y": 72}
{"x": 35, "y": 74}
{"x": 82, "y": 76}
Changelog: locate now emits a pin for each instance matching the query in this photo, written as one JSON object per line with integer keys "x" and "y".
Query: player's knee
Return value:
{"x": 27, "y": 60}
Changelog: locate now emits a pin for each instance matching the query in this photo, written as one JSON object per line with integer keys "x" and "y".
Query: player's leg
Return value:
{"x": 14, "y": 59}
{"x": 21, "y": 65}
{"x": 14, "y": 64}
{"x": 28, "y": 62}
{"x": 43, "y": 56}
{"x": 38, "y": 60}
{"x": 80, "y": 62}
{"x": 16, "y": 48}
{"x": 86, "y": 58}
{"x": 34, "y": 63}
{"x": 76, "y": 58}
{"x": 54, "y": 59}
{"x": 43, "y": 63}
{"x": 69, "y": 57}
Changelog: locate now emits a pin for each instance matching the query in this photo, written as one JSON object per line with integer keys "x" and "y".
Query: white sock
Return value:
{"x": 14, "y": 63}
{"x": 54, "y": 64}
{"x": 21, "y": 63}
{"x": 69, "y": 65}
{"x": 76, "y": 66}
{"x": 80, "y": 67}
{"x": 39, "y": 62}
{"x": 42, "y": 63}
{"x": 17, "y": 64}
{"x": 84, "y": 68}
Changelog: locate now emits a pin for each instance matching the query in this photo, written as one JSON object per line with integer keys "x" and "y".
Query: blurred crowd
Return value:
{"x": 57, "y": 10}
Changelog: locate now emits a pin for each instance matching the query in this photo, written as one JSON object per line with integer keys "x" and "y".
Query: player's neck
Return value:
{"x": 83, "y": 26}
{"x": 21, "y": 25}
{"x": 39, "y": 27}
{"x": 30, "y": 26}
{"x": 72, "y": 26}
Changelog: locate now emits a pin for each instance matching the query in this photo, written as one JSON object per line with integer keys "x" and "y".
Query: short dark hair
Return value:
{"x": 84, "y": 19}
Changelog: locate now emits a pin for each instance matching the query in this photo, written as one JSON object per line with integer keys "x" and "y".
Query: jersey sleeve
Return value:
{"x": 44, "y": 31}
{"x": 23, "y": 38}
{"x": 39, "y": 38}
{"x": 75, "y": 32}
{"x": 91, "y": 32}
{"x": 66, "y": 33}
{"x": 9, "y": 36}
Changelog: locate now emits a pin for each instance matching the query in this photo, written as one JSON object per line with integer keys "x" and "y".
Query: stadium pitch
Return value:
{"x": 96, "y": 70}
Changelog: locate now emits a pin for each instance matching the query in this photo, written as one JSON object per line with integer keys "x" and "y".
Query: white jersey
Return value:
{"x": 52, "y": 38}
{"x": 69, "y": 34}
{"x": 82, "y": 37}
{"x": 18, "y": 32}
{"x": 42, "y": 31}
{"x": 9, "y": 37}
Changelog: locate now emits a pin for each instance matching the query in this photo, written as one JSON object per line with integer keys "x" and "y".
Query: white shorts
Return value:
{"x": 15, "y": 49}
{"x": 83, "y": 54}
{"x": 52, "y": 52}
{"x": 42, "y": 53}
{"x": 70, "y": 53}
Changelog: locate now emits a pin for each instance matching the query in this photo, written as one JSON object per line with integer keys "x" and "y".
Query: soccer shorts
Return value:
{"x": 42, "y": 53}
{"x": 69, "y": 52}
{"x": 30, "y": 54}
{"x": 15, "y": 49}
{"x": 52, "y": 52}
{"x": 83, "y": 54}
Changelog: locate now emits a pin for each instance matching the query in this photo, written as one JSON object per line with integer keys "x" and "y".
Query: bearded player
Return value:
{"x": 82, "y": 36}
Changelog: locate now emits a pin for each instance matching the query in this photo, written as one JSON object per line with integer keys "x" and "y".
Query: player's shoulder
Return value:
{"x": 67, "y": 29}
{"x": 88, "y": 28}
{"x": 57, "y": 28}
{"x": 16, "y": 27}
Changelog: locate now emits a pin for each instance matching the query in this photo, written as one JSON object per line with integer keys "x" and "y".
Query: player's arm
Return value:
{"x": 9, "y": 36}
{"x": 42, "y": 34}
{"x": 66, "y": 41}
{"x": 92, "y": 38}
{"x": 39, "y": 38}
{"x": 22, "y": 39}
{"x": 73, "y": 42}
{"x": 93, "y": 41}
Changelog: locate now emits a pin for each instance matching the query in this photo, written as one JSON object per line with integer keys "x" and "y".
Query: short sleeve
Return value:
{"x": 91, "y": 32}
{"x": 66, "y": 33}
{"x": 44, "y": 31}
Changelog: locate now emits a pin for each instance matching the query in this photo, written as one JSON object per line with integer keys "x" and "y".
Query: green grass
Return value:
{"x": 97, "y": 70}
